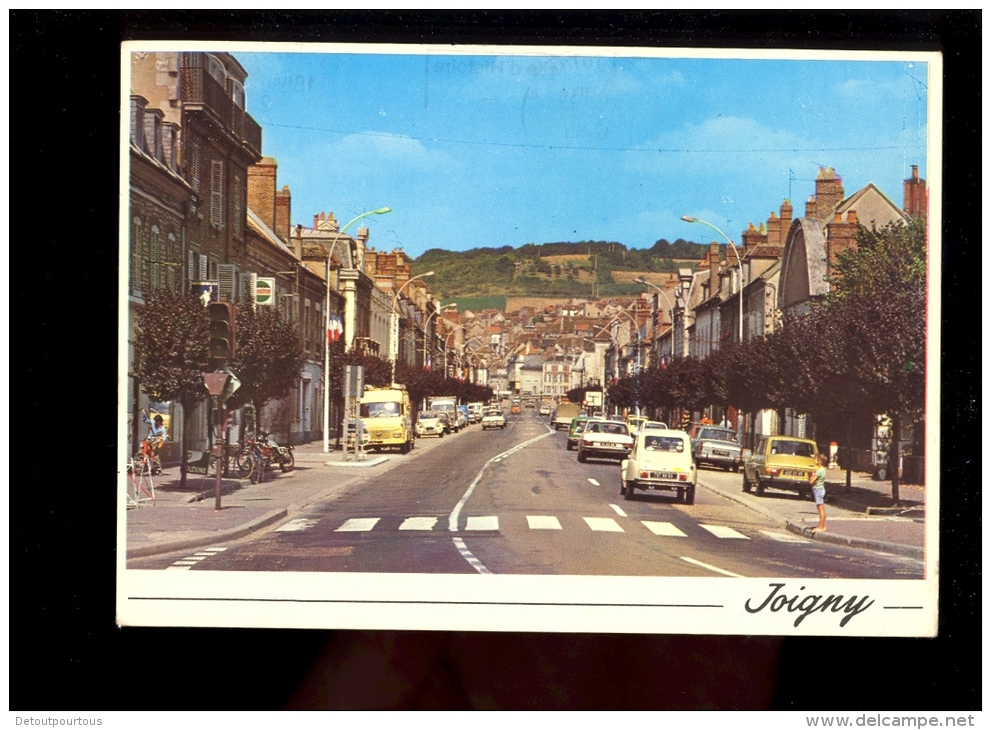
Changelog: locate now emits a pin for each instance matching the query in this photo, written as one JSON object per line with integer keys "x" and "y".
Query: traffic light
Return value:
{"x": 223, "y": 331}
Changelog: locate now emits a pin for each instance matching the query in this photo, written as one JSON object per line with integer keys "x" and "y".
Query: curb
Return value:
{"x": 145, "y": 551}
{"x": 908, "y": 551}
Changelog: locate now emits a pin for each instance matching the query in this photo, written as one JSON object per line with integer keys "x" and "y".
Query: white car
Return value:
{"x": 604, "y": 440}
{"x": 545, "y": 409}
{"x": 429, "y": 423}
{"x": 493, "y": 418}
{"x": 661, "y": 460}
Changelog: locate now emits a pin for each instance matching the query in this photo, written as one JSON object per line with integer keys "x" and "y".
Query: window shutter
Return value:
{"x": 204, "y": 271}
{"x": 246, "y": 285}
{"x": 227, "y": 278}
{"x": 136, "y": 260}
{"x": 237, "y": 197}
{"x": 217, "y": 193}
{"x": 194, "y": 168}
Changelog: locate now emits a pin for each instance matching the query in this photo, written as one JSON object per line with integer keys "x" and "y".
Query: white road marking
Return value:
{"x": 711, "y": 567}
{"x": 296, "y": 525}
{"x": 418, "y": 523}
{"x": 663, "y": 529}
{"x": 618, "y": 510}
{"x": 590, "y": 479}
{"x": 358, "y": 524}
{"x": 785, "y": 537}
{"x": 603, "y": 524}
{"x": 214, "y": 549}
{"x": 724, "y": 532}
{"x": 488, "y": 522}
{"x": 452, "y": 520}
{"x": 471, "y": 559}
{"x": 543, "y": 522}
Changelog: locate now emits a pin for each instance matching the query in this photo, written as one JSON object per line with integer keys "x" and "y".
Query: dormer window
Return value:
{"x": 216, "y": 69}
{"x": 237, "y": 93}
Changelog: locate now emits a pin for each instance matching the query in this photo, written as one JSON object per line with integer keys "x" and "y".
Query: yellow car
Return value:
{"x": 515, "y": 409}
{"x": 782, "y": 462}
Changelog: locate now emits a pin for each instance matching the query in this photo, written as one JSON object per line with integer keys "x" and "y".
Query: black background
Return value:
{"x": 67, "y": 653}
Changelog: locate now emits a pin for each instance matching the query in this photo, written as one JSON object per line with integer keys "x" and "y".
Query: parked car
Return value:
{"x": 661, "y": 460}
{"x": 605, "y": 440}
{"x": 783, "y": 462}
{"x": 445, "y": 419}
{"x": 493, "y": 418}
{"x": 429, "y": 423}
{"x": 716, "y": 446}
{"x": 575, "y": 430}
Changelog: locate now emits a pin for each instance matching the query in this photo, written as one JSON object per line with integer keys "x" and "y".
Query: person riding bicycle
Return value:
{"x": 157, "y": 435}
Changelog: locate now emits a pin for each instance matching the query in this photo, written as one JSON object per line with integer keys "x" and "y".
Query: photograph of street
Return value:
{"x": 535, "y": 338}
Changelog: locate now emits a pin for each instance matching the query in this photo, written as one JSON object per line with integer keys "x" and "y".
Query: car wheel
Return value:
{"x": 629, "y": 490}
{"x": 690, "y": 495}
{"x": 289, "y": 463}
{"x": 760, "y": 487}
{"x": 746, "y": 482}
{"x": 681, "y": 494}
{"x": 569, "y": 446}
{"x": 581, "y": 456}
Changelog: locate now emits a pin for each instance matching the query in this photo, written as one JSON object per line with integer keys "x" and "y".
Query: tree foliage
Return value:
{"x": 269, "y": 358}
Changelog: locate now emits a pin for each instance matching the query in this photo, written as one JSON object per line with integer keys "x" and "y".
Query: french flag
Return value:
{"x": 335, "y": 329}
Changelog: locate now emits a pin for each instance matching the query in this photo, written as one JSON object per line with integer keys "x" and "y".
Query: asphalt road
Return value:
{"x": 516, "y": 501}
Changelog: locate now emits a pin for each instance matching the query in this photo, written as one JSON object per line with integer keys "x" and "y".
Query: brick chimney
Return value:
{"x": 261, "y": 190}
{"x": 829, "y": 192}
{"x": 752, "y": 238}
{"x": 786, "y": 216}
{"x": 362, "y": 245}
{"x": 810, "y": 207}
{"x": 916, "y": 195}
{"x": 840, "y": 236}
{"x": 283, "y": 210}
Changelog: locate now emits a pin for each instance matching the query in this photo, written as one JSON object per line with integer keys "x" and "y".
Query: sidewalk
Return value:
{"x": 863, "y": 517}
{"x": 184, "y": 519}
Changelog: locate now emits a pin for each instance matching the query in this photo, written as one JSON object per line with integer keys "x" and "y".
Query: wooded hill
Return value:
{"x": 581, "y": 269}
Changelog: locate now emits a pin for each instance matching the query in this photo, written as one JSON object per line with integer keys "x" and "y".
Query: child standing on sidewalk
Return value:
{"x": 817, "y": 479}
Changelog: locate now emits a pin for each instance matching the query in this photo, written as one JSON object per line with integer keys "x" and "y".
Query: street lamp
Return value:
{"x": 326, "y": 330}
{"x": 394, "y": 323}
{"x": 433, "y": 314}
{"x": 692, "y": 219}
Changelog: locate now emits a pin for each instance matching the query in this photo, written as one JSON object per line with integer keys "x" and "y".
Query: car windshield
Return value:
{"x": 618, "y": 429}
{"x": 718, "y": 434}
{"x": 379, "y": 410}
{"x": 664, "y": 443}
{"x": 793, "y": 448}
{"x": 427, "y": 415}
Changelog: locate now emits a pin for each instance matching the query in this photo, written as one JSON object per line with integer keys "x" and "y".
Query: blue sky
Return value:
{"x": 476, "y": 150}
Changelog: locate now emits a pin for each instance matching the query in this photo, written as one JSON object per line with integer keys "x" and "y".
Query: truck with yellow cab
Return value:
{"x": 387, "y": 419}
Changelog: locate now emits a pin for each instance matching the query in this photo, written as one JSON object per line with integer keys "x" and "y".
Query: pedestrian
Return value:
{"x": 817, "y": 479}
{"x": 158, "y": 434}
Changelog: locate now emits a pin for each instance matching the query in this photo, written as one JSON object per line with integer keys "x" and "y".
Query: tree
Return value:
{"x": 878, "y": 304}
{"x": 268, "y": 361}
{"x": 171, "y": 354}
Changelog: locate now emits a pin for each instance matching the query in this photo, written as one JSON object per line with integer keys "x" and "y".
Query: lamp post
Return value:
{"x": 664, "y": 294}
{"x": 692, "y": 219}
{"x": 433, "y": 314}
{"x": 326, "y": 330}
{"x": 394, "y": 322}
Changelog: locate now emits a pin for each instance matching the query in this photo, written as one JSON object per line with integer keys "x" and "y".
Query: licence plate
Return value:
{"x": 665, "y": 475}
{"x": 793, "y": 473}
{"x": 720, "y": 452}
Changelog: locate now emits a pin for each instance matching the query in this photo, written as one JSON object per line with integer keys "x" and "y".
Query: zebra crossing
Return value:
{"x": 537, "y": 523}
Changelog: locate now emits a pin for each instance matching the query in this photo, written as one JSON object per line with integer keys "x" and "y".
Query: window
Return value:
{"x": 216, "y": 69}
{"x": 217, "y": 193}
{"x": 237, "y": 93}
{"x": 172, "y": 273}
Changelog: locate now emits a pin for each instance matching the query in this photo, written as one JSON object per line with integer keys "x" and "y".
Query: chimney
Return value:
{"x": 752, "y": 238}
{"x": 829, "y": 192}
{"x": 840, "y": 236}
{"x": 916, "y": 196}
{"x": 810, "y": 207}
{"x": 261, "y": 190}
{"x": 362, "y": 240}
{"x": 786, "y": 216}
{"x": 283, "y": 210}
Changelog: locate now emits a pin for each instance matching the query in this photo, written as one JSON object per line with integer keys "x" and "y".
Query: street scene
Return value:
{"x": 564, "y": 323}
